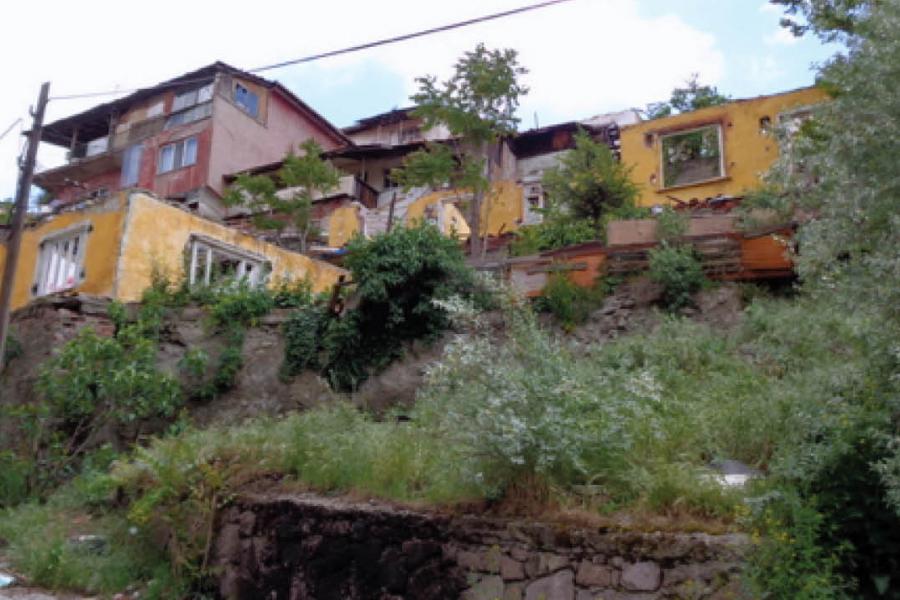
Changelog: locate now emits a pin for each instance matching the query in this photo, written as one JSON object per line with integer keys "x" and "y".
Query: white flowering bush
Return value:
{"x": 515, "y": 403}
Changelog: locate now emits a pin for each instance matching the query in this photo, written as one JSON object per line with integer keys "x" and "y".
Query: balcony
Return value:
{"x": 348, "y": 186}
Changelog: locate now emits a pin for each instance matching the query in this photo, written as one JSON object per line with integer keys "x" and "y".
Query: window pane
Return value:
{"x": 131, "y": 165}
{"x": 155, "y": 110}
{"x": 691, "y": 157}
{"x": 184, "y": 100}
{"x": 205, "y": 93}
{"x": 246, "y": 100}
{"x": 167, "y": 158}
{"x": 60, "y": 263}
{"x": 190, "y": 152}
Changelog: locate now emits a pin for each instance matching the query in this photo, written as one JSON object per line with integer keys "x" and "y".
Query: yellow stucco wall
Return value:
{"x": 157, "y": 235}
{"x": 101, "y": 249}
{"x": 503, "y": 210}
{"x": 343, "y": 224}
{"x": 748, "y": 151}
{"x": 453, "y": 221}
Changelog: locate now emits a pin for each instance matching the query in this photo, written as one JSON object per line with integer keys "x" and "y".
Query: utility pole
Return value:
{"x": 20, "y": 209}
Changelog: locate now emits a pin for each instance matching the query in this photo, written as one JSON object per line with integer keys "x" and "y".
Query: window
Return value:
{"x": 214, "y": 262}
{"x": 98, "y": 146}
{"x": 192, "y": 97}
{"x": 692, "y": 156}
{"x": 201, "y": 111}
{"x": 248, "y": 101}
{"x": 155, "y": 110}
{"x": 177, "y": 155}
{"x": 61, "y": 261}
{"x": 534, "y": 204}
{"x": 131, "y": 165}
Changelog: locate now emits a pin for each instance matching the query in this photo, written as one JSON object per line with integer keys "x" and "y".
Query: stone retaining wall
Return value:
{"x": 309, "y": 547}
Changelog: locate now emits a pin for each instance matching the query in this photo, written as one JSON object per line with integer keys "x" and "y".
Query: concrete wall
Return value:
{"x": 101, "y": 248}
{"x": 156, "y": 236}
{"x": 748, "y": 150}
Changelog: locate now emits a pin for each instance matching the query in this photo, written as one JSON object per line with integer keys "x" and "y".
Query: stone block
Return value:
{"x": 559, "y": 586}
{"x": 591, "y": 575}
{"x": 489, "y": 588}
{"x": 511, "y": 570}
{"x": 642, "y": 576}
{"x": 544, "y": 563}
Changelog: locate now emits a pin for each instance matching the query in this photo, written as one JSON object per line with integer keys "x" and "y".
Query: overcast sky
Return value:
{"x": 585, "y": 57}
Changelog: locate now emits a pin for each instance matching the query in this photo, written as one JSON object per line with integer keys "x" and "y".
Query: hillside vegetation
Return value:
{"x": 806, "y": 389}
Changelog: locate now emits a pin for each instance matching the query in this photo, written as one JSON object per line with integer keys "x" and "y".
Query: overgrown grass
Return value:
{"x": 639, "y": 419}
{"x": 42, "y": 543}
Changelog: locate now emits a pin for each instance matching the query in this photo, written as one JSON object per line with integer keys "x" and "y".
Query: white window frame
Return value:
{"x": 60, "y": 263}
{"x": 179, "y": 159}
{"x": 662, "y": 155}
{"x": 252, "y": 267}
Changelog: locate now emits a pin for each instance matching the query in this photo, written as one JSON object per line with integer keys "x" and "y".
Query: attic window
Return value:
{"x": 692, "y": 156}
{"x": 61, "y": 261}
{"x": 245, "y": 99}
{"x": 192, "y": 97}
{"x": 214, "y": 262}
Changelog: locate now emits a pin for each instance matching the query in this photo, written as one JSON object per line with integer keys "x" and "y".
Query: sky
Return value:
{"x": 585, "y": 57}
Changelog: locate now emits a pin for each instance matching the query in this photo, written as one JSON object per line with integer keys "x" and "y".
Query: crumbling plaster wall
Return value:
{"x": 749, "y": 150}
{"x": 103, "y": 244}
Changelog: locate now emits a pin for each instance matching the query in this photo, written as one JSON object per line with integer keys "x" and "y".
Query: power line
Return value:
{"x": 409, "y": 36}
{"x": 10, "y": 128}
{"x": 331, "y": 53}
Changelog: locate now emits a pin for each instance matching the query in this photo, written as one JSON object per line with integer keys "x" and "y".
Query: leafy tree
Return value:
{"x": 477, "y": 104}
{"x": 840, "y": 166}
{"x": 590, "y": 184}
{"x": 301, "y": 178}
{"x": 693, "y": 96}
{"x": 828, "y": 19}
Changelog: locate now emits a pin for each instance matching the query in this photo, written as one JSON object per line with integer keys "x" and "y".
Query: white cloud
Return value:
{"x": 781, "y": 37}
{"x": 772, "y": 9}
{"x": 764, "y": 70}
{"x": 584, "y": 57}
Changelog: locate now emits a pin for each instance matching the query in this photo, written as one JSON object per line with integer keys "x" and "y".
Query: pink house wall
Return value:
{"x": 241, "y": 142}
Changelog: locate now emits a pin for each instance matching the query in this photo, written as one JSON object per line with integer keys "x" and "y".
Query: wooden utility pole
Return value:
{"x": 20, "y": 209}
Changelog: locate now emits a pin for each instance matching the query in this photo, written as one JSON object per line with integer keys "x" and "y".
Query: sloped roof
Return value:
{"x": 94, "y": 122}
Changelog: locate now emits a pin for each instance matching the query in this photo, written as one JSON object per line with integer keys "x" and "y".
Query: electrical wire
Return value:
{"x": 10, "y": 128}
{"x": 331, "y": 53}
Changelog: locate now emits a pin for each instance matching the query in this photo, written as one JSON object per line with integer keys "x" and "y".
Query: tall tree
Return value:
{"x": 478, "y": 105}
{"x": 693, "y": 96}
{"x": 590, "y": 184}
{"x": 301, "y": 179}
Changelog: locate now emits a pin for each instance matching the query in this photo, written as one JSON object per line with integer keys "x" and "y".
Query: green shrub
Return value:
{"x": 670, "y": 225}
{"x": 788, "y": 560}
{"x": 570, "y": 303}
{"x": 15, "y": 472}
{"x": 679, "y": 271}
{"x": 13, "y": 350}
{"x": 554, "y": 232}
{"x": 398, "y": 276}
{"x": 302, "y": 340}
